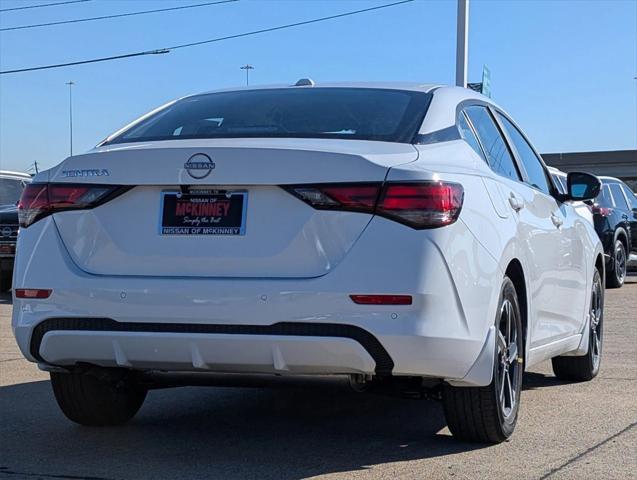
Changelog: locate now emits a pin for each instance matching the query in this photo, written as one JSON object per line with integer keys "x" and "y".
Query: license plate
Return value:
{"x": 207, "y": 213}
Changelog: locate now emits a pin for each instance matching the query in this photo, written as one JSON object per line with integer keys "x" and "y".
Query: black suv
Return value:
{"x": 615, "y": 216}
{"x": 11, "y": 186}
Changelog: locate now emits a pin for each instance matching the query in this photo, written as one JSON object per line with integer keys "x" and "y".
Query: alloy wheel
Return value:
{"x": 596, "y": 323}
{"x": 620, "y": 262}
{"x": 508, "y": 368}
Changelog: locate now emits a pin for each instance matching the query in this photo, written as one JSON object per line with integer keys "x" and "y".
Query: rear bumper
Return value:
{"x": 300, "y": 348}
{"x": 270, "y": 325}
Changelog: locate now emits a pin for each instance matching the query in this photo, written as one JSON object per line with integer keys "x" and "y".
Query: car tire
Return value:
{"x": 93, "y": 401}
{"x": 586, "y": 367}
{"x": 617, "y": 272}
{"x": 489, "y": 414}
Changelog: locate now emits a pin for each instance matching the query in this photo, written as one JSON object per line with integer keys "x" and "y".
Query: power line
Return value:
{"x": 42, "y": 5}
{"x": 212, "y": 40}
{"x": 105, "y": 17}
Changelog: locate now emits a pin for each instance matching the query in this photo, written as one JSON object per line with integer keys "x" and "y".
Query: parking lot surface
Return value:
{"x": 321, "y": 429}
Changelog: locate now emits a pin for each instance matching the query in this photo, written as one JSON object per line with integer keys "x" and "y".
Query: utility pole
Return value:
{"x": 70, "y": 83}
{"x": 462, "y": 43}
{"x": 247, "y": 67}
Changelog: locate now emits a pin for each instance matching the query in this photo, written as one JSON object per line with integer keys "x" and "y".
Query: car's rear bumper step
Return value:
{"x": 277, "y": 348}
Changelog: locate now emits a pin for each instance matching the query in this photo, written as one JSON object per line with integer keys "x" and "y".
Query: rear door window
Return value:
{"x": 534, "y": 169}
{"x": 618, "y": 195}
{"x": 498, "y": 155}
{"x": 605, "y": 199}
{"x": 469, "y": 136}
{"x": 630, "y": 196}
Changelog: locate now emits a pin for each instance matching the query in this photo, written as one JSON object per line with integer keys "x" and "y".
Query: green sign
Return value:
{"x": 486, "y": 81}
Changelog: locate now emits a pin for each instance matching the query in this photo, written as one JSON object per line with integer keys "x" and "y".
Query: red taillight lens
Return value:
{"x": 603, "y": 211}
{"x": 381, "y": 299}
{"x": 421, "y": 205}
{"x": 41, "y": 199}
{"x": 353, "y": 197}
{"x": 33, "y": 292}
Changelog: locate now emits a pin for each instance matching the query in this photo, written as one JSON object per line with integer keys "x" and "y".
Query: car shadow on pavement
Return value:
{"x": 534, "y": 381}
{"x": 5, "y": 298}
{"x": 284, "y": 433}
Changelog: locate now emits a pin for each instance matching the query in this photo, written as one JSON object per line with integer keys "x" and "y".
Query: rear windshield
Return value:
{"x": 345, "y": 113}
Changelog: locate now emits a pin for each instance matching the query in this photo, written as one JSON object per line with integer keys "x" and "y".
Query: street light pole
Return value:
{"x": 462, "y": 43}
{"x": 70, "y": 83}
{"x": 247, "y": 67}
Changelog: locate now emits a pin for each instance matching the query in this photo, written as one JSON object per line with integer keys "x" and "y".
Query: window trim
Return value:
{"x": 475, "y": 134}
{"x": 526, "y": 179}
{"x": 621, "y": 189}
{"x": 471, "y": 103}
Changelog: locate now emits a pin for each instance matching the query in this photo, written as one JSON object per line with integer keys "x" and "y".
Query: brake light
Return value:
{"x": 416, "y": 204}
{"x": 39, "y": 200}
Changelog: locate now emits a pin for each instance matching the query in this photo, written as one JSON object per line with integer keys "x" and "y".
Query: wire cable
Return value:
{"x": 119, "y": 15}
{"x": 42, "y": 5}
{"x": 192, "y": 44}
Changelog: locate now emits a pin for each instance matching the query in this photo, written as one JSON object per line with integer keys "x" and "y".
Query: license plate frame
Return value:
{"x": 203, "y": 213}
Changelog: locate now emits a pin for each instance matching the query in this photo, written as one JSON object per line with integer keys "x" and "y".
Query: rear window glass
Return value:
{"x": 344, "y": 113}
{"x": 618, "y": 195}
{"x": 631, "y": 196}
{"x": 604, "y": 199}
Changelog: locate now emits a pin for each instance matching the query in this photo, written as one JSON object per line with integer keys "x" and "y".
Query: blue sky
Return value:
{"x": 564, "y": 69}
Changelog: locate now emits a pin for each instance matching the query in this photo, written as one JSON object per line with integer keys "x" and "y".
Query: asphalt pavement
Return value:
{"x": 323, "y": 430}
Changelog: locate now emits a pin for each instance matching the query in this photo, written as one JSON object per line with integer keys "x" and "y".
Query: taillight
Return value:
{"x": 357, "y": 197}
{"x": 419, "y": 205}
{"x": 603, "y": 211}
{"x": 41, "y": 199}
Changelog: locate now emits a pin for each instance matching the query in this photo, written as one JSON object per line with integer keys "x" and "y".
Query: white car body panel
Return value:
{"x": 110, "y": 264}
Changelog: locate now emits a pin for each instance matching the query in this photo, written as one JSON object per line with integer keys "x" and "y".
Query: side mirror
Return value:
{"x": 582, "y": 186}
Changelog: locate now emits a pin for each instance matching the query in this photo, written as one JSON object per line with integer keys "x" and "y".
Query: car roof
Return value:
{"x": 18, "y": 175}
{"x": 410, "y": 86}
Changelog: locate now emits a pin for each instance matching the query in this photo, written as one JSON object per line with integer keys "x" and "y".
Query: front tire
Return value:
{"x": 489, "y": 414}
{"x": 617, "y": 272}
{"x": 94, "y": 401}
{"x": 586, "y": 367}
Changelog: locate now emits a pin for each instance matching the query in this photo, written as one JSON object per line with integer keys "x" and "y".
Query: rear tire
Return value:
{"x": 617, "y": 272}
{"x": 489, "y": 414}
{"x": 586, "y": 367}
{"x": 92, "y": 401}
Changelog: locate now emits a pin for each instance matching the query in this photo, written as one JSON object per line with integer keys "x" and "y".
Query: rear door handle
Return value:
{"x": 516, "y": 203}
{"x": 557, "y": 220}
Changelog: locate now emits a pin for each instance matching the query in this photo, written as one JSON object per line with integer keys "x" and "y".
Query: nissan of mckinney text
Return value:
{"x": 405, "y": 236}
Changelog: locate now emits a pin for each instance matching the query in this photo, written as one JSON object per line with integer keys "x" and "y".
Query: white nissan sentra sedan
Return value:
{"x": 402, "y": 235}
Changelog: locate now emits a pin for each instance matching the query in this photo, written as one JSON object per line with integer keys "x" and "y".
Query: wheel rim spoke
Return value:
{"x": 596, "y": 324}
{"x": 513, "y": 353}
{"x": 508, "y": 351}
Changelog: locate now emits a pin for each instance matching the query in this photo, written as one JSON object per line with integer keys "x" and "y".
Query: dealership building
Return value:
{"x": 617, "y": 163}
